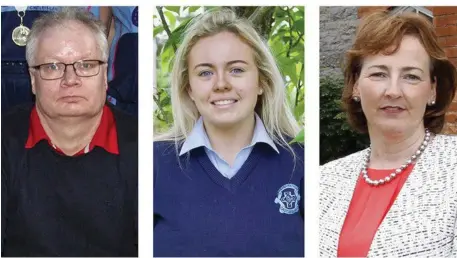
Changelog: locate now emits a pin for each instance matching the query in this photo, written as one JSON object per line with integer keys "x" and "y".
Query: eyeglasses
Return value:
{"x": 82, "y": 68}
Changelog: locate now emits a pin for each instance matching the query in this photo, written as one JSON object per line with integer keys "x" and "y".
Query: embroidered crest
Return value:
{"x": 288, "y": 198}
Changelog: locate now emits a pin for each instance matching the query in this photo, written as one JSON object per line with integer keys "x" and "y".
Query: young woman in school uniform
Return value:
{"x": 226, "y": 180}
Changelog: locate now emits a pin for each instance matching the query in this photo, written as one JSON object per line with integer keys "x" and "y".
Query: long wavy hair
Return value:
{"x": 272, "y": 105}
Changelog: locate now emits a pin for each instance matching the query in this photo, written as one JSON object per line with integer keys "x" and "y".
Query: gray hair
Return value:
{"x": 66, "y": 14}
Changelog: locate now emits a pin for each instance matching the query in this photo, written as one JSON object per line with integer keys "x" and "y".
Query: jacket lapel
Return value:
{"x": 341, "y": 186}
{"x": 421, "y": 221}
{"x": 395, "y": 229}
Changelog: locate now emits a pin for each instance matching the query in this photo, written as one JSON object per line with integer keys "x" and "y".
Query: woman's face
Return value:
{"x": 395, "y": 89}
{"x": 224, "y": 80}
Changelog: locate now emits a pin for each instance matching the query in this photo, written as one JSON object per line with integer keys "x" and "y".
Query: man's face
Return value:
{"x": 71, "y": 95}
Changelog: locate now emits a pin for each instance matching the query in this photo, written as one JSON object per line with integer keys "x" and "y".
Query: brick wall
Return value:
{"x": 445, "y": 22}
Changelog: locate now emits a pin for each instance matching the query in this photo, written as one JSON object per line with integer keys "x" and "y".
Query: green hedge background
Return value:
{"x": 337, "y": 139}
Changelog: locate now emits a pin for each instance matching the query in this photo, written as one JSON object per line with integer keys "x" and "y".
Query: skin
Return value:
{"x": 222, "y": 67}
{"x": 71, "y": 95}
{"x": 394, "y": 91}
{"x": 69, "y": 108}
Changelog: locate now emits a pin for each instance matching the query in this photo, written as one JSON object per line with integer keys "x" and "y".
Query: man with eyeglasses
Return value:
{"x": 69, "y": 161}
{"x": 16, "y": 22}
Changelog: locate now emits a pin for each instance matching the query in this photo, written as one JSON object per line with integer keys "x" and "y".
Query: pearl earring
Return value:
{"x": 356, "y": 99}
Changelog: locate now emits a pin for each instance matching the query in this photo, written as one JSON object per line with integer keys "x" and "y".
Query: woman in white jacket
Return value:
{"x": 399, "y": 196}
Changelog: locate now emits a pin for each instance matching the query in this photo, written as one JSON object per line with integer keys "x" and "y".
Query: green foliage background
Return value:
{"x": 337, "y": 138}
{"x": 283, "y": 27}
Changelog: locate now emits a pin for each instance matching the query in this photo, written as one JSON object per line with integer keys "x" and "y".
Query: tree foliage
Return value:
{"x": 337, "y": 138}
{"x": 283, "y": 27}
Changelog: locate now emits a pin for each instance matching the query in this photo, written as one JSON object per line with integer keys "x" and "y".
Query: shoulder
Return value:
{"x": 443, "y": 142}
{"x": 164, "y": 148}
{"x": 165, "y": 157}
{"x": 15, "y": 128}
{"x": 126, "y": 124}
{"x": 344, "y": 162}
{"x": 165, "y": 152}
{"x": 15, "y": 123}
{"x": 17, "y": 113}
{"x": 291, "y": 157}
{"x": 122, "y": 116}
{"x": 290, "y": 151}
{"x": 297, "y": 147}
{"x": 444, "y": 148}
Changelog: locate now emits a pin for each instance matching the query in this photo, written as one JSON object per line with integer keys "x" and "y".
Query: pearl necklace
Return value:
{"x": 398, "y": 171}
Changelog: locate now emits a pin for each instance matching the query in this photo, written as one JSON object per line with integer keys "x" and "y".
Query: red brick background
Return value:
{"x": 445, "y": 22}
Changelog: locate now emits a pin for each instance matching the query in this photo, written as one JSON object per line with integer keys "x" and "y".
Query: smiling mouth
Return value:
{"x": 224, "y": 102}
{"x": 392, "y": 109}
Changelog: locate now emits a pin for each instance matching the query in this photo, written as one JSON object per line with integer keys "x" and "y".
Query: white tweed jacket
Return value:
{"x": 422, "y": 220}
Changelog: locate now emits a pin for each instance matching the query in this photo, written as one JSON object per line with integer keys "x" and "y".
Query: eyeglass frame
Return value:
{"x": 38, "y": 67}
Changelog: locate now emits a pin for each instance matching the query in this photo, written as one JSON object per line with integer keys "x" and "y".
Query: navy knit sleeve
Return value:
{"x": 302, "y": 201}
{"x": 299, "y": 151}
{"x": 156, "y": 163}
{"x": 164, "y": 153}
{"x": 14, "y": 135}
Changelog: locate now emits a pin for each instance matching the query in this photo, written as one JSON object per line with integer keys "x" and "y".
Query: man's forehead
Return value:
{"x": 71, "y": 47}
{"x": 70, "y": 27}
{"x": 69, "y": 34}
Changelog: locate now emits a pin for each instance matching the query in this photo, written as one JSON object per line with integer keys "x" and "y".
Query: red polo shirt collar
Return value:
{"x": 105, "y": 136}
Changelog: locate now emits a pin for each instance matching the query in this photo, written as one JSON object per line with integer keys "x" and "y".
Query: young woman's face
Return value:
{"x": 224, "y": 80}
{"x": 395, "y": 89}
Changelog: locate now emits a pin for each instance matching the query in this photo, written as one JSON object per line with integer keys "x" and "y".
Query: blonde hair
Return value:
{"x": 271, "y": 106}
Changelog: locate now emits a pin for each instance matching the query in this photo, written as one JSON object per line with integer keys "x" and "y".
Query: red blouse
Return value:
{"x": 368, "y": 207}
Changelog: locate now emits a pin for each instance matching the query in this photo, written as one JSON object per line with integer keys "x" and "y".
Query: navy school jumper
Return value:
{"x": 199, "y": 212}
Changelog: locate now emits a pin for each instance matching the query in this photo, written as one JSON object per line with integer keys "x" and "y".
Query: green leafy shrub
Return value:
{"x": 337, "y": 138}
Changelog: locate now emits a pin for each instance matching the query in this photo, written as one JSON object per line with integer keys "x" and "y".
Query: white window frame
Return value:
{"x": 417, "y": 9}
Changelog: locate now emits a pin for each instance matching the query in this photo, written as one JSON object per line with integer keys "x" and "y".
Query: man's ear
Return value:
{"x": 32, "y": 80}
{"x": 105, "y": 76}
